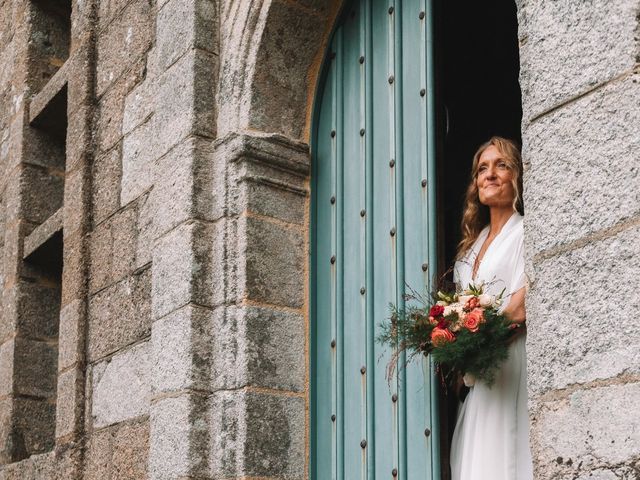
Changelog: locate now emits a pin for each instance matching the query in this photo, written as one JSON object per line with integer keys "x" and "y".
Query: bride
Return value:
{"x": 491, "y": 436}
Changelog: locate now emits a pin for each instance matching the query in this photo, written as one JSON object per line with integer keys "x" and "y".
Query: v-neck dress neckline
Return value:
{"x": 477, "y": 246}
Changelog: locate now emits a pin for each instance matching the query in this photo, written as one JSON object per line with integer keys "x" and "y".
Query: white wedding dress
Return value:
{"x": 491, "y": 436}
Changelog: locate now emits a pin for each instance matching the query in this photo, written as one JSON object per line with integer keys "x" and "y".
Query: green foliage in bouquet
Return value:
{"x": 479, "y": 353}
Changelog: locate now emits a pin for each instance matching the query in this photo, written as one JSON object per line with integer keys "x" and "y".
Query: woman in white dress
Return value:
{"x": 491, "y": 436}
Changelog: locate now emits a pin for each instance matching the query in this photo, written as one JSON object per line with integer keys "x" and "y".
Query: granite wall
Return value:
{"x": 580, "y": 78}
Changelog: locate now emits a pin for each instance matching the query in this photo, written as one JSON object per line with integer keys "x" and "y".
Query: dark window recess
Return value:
{"x": 50, "y": 38}
{"x": 36, "y": 344}
{"x": 48, "y": 152}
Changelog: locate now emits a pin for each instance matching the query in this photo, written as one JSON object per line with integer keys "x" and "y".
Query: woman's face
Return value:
{"x": 494, "y": 180}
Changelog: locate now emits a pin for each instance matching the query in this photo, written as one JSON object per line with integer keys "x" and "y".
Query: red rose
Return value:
{"x": 441, "y": 336}
{"x": 472, "y": 303}
{"x": 436, "y": 311}
{"x": 473, "y": 319}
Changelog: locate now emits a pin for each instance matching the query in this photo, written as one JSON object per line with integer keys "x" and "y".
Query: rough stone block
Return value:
{"x": 257, "y": 346}
{"x": 119, "y": 452}
{"x": 35, "y": 368}
{"x": 131, "y": 450}
{"x": 108, "y": 10}
{"x": 182, "y": 268}
{"x": 123, "y": 42}
{"x": 76, "y": 195}
{"x": 179, "y": 438}
{"x": 42, "y": 233}
{"x": 242, "y": 421}
{"x": 6, "y": 414}
{"x": 119, "y": 315}
{"x": 139, "y": 150}
{"x": 70, "y": 343}
{"x": 38, "y": 309}
{"x": 74, "y": 283}
{"x": 35, "y": 424}
{"x": 147, "y": 228}
{"x": 581, "y": 164}
{"x": 113, "y": 249}
{"x": 183, "y": 25}
{"x": 42, "y": 194}
{"x": 79, "y": 142}
{"x": 121, "y": 387}
{"x": 110, "y": 108}
{"x": 590, "y": 430}
{"x": 187, "y": 107}
{"x": 182, "y": 350}
{"x": 100, "y": 253}
{"x": 262, "y": 197}
{"x": 107, "y": 173}
{"x": 123, "y": 238}
{"x": 182, "y": 186}
{"x": 69, "y": 402}
{"x": 274, "y": 268}
{"x": 568, "y": 47}
{"x": 581, "y": 313}
{"x": 6, "y": 368}
{"x": 99, "y": 454}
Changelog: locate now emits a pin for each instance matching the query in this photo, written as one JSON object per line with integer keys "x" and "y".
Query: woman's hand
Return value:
{"x": 515, "y": 310}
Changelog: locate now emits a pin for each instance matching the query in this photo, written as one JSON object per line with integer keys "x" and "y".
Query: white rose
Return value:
{"x": 486, "y": 300}
{"x": 463, "y": 299}
{"x": 447, "y": 310}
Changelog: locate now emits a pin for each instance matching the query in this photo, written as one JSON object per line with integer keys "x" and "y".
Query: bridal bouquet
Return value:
{"x": 464, "y": 332}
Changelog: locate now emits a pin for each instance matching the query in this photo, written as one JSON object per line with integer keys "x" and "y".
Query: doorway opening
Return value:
{"x": 479, "y": 96}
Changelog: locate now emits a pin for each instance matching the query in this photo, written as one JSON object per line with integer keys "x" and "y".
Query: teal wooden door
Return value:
{"x": 373, "y": 229}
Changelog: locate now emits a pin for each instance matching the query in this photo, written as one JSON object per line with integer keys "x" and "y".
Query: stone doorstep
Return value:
{"x": 42, "y": 99}
{"x": 42, "y": 233}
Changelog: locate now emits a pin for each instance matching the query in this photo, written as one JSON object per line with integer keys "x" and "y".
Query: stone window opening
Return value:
{"x": 38, "y": 286}
{"x": 50, "y": 37}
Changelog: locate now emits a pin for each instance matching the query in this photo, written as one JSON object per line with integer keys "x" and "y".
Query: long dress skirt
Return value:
{"x": 491, "y": 437}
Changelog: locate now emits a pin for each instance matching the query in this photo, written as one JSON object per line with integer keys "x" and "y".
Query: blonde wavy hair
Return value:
{"x": 476, "y": 215}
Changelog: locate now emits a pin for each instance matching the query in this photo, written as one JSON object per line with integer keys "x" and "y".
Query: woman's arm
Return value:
{"x": 515, "y": 310}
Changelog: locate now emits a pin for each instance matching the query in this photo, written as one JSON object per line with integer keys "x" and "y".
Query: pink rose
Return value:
{"x": 473, "y": 319}
{"x": 441, "y": 336}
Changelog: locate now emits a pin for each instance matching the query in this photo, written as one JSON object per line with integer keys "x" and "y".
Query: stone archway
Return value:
{"x": 270, "y": 57}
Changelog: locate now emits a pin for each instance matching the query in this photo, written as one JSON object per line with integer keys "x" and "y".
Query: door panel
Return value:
{"x": 373, "y": 215}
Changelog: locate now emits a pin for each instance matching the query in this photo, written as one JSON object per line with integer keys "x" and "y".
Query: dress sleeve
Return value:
{"x": 518, "y": 277}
